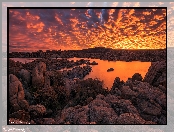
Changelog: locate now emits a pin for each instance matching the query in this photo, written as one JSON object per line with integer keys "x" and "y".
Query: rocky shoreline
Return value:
{"x": 101, "y": 53}
{"x": 39, "y": 93}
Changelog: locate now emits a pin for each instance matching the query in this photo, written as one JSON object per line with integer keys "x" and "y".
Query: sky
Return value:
{"x": 54, "y": 29}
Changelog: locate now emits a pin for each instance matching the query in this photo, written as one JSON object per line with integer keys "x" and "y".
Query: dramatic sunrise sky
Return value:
{"x": 54, "y": 29}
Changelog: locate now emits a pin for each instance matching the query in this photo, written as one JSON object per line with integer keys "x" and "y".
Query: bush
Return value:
{"x": 85, "y": 89}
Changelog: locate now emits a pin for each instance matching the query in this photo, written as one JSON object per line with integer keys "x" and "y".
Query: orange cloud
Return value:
{"x": 38, "y": 27}
{"x": 78, "y": 28}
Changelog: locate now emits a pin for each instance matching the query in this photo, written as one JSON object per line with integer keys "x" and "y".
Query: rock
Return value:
{"x": 115, "y": 92}
{"x": 124, "y": 106}
{"x": 149, "y": 108}
{"x": 100, "y": 96}
{"x": 48, "y": 121}
{"x": 102, "y": 115}
{"x": 21, "y": 115}
{"x": 110, "y": 69}
{"x": 89, "y": 100}
{"x": 163, "y": 88}
{"x": 110, "y": 99}
{"x": 161, "y": 100}
{"x": 16, "y": 94}
{"x": 99, "y": 103}
{"x": 150, "y": 92}
{"x": 67, "y": 115}
{"x": 12, "y": 78}
{"x": 117, "y": 83}
{"x": 36, "y": 110}
{"x": 94, "y": 63}
{"x": 38, "y": 74}
{"x": 127, "y": 93}
{"x": 78, "y": 115}
{"x": 78, "y": 72}
{"x": 101, "y": 112}
{"x": 82, "y": 115}
{"x": 156, "y": 73}
{"x": 130, "y": 118}
{"x": 137, "y": 77}
{"x": 97, "y": 111}
{"x": 25, "y": 75}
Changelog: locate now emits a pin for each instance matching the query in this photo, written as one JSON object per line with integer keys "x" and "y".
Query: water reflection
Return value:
{"x": 122, "y": 69}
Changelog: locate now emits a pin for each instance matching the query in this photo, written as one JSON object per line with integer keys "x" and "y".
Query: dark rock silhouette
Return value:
{"x": 137, "y": 77}
{"x": 93, "y": 63}
{"x": 110, "y": 69}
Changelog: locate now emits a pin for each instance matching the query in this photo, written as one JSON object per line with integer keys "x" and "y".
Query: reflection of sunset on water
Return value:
{"x": 123, "y": 70}
{"x": 54, "y": 29}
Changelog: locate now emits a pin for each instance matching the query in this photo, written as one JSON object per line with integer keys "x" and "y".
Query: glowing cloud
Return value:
{"x": 35, "y": 29}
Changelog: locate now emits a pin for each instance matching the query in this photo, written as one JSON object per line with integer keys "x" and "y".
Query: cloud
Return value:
{"x": 34, "y": 29}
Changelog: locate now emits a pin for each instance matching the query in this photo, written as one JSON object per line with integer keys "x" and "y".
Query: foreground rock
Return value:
{"x": 97, "y": 111}
{"x": 131, "y": 118}
{"x": 150, "y": 101}
{"x": 156, "y": 74}
{"x": 103, "y": 110}
{"x": 21, "y": 115}
{"x": 37, "y": 111}
{"x": 77, "y": 115}
{"x": 16, "y": 94}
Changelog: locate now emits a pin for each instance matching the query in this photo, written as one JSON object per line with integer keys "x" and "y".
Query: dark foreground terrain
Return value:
{"x": 101, "y": 53}
{"x": 41, "y": 94}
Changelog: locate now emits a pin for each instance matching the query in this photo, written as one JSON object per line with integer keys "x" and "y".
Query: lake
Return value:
{"x": 122, "y": 69}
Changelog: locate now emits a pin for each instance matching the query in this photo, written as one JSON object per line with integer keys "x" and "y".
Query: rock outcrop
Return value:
{"x": 36, "y": 111}
{"x": 101, "y": 112}
{"x": 137, "y": 77}
{"x": 16, "y": 94}
{"x": 156, "y": 74}
{"x": 131, "y": 118}
{"x": 25, "y": 76}
{"x": 38, "y": 74}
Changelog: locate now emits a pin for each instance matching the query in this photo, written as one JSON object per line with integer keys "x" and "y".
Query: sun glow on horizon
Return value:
{"x": 87, "y": 28}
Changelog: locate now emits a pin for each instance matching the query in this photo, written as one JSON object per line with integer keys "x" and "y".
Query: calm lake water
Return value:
{"x": 122, "y": 69}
